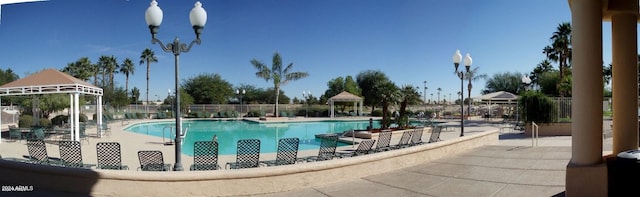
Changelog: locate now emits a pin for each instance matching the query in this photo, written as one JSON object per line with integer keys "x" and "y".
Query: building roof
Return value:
{"x": 48, "y": 81}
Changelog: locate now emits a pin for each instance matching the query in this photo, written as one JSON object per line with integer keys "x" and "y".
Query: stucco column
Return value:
{"x": 76, "y": 116}
{"x": 586, "y": 173}
{"x": 586, "y": 129}
{"x": 625, "y": 81}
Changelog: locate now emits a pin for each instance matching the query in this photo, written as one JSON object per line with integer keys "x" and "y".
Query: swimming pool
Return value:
{"x": 229, "y": 132}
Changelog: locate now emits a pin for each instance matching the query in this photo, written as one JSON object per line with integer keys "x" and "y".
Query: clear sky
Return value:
{"x": 409, "y": 40}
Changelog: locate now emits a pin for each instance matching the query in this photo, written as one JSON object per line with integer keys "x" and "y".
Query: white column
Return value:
{"x": 76, "y": 116}
{"x": 355, "y": 107}
{"x": 625, "y": 81}
{"x": 99, "y": 116}
{"x": 72, "y": 126}
{"x": 586, "y": 129}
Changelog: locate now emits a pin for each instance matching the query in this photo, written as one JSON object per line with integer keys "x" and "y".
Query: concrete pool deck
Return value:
{"x": 437, "y": 171}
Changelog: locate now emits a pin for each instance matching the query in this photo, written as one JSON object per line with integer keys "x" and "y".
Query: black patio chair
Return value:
{"x": 435, "y": 134}
{"x": 248, "y": 155}
{"x": 109, "y": 157}
{"x": 287, "y": 152}
{"x": 152, "y": 160}
{"x": 327, "y": 149}
{"x": 416, "y": 137}
{"x": 38, "y": 153}
{"x": 71, "y": 154}
{"x": 384, "y": 139}
{"x": 205, "y": 156}
{"x": 364, "y": 147}
{"x": 404, "y": 140}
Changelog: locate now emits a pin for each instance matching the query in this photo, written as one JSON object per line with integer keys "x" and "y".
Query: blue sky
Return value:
{"x": 409, "y": 40}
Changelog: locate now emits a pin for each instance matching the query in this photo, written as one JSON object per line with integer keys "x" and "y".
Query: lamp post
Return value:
{"x": 457, "y": 57}
{"x": 425, "y": 97}
{"x": 240, "y": 94}
{"x": 305, "y": 95}
{"x": 526, "y": 81}
{"x": 198, "y": 18}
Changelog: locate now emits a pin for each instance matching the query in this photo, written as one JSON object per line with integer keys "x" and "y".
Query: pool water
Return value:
{"x": 229, "y": 132}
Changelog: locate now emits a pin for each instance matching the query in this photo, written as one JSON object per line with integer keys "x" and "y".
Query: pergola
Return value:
{"x": 52, "y": 81}
{"x": 345, "y": 97}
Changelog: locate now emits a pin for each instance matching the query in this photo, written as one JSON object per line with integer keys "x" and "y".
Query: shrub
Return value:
{"x": 83, "y": 118}
{"x": 59, "y": 120}
{"x": 376, "y": 113}
{"x": 537, "y": 107}
{"x": 25, "y": 121}
{"x": 45, "y": 122}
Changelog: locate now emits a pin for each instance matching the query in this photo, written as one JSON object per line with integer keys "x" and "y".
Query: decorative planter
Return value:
{"x": 550, "y": 129}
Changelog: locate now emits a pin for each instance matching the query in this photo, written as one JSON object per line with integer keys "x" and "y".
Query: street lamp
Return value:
{"x": 240, "y": 94}
{"x": 457, "y": 57}
{"x": 305, "y": 95}
{"x": 526, "y": 81}
{"x": 198, "y": 18}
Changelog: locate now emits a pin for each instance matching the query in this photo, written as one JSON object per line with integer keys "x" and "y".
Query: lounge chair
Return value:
{"x": 327, "y": 149}
{"x": 248, "y": 155}
{"x": 38, "y": 153}
{"x": 37, "y": 133}
{"x": 109, "y": 157}
{"x": 416, "y": 137}
{"x": 205, "y": 156}
{"x": 363, "y": 148}
{"x": 152, "y": 160}
{"x": 435, "y": 134}
{"x": 287, "y": 152}
{"x": 404, "y": 140}
{"x": 384, "y": 139}
{"x": 15, "y": 133}
{"x": 71, "y": 154}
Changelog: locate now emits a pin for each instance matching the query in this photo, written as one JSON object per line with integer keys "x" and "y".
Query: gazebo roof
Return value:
{"x": 49, "y": 81}
{"x": 345, "y": 96}
{"x": 498, "y": 96}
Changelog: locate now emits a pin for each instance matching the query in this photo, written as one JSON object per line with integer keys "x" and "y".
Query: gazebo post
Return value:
{"x": 71, "y": 122}
{"x": 76, "y": 116}
{"x": 99, "y": 116}
{"x": 0, "y": 116}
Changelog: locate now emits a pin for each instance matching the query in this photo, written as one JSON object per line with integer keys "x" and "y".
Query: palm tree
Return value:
{"x": 439, "y": 90}
{"x": 108, "y": 65}
{"x": 148, "y": 57}
{"x": 389, "y": 94}
{"x": 408, "y": 96}
{"x": 127, "y": 68}
{"x": 560, "y": 49}
{"x": 471, "y": 76}
{"x": 277, "y": 74}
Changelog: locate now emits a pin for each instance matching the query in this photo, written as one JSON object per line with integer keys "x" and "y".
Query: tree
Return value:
{"x": 208, "y": 89}
{"x": 471, "y": 76}
{"x": 135, "y": 95}
{"x": 277, "y": 74}
{"x": 408, "y": 96}
{"x": 389, "y": 94}
{"x": 109, "y": 66}
{"x": 127, "y": 68}
{"x": 560, "y": 50}
{"x": 543, "y": 67}
{"x": 7, "y": 76}
{"x": 148, "y": 57}
{"x": 80, "y": 69}
{"x": 506, "y": 81}
{"x": 367, "y": 81}
{"x": 338, "y": 85}
{"x": 439, "y": 90}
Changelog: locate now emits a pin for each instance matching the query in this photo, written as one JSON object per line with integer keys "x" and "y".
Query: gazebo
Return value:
{"x": 499, "y": 97}
{"x": 52, "y": 81}
{"x": 345, "y": 96}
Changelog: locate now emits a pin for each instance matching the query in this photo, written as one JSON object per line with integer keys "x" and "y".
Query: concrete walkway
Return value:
{"x": 511, "y": 168}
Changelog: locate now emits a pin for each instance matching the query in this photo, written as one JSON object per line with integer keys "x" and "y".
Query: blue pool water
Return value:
{"x": 229, "y": 132}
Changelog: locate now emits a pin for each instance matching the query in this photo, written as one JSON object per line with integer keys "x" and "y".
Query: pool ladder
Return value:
{"x": 171, "y": 131}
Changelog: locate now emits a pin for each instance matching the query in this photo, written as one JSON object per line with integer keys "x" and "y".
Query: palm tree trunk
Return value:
{"x": 277, "y": 97}
{"x": 147, "y": 97}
